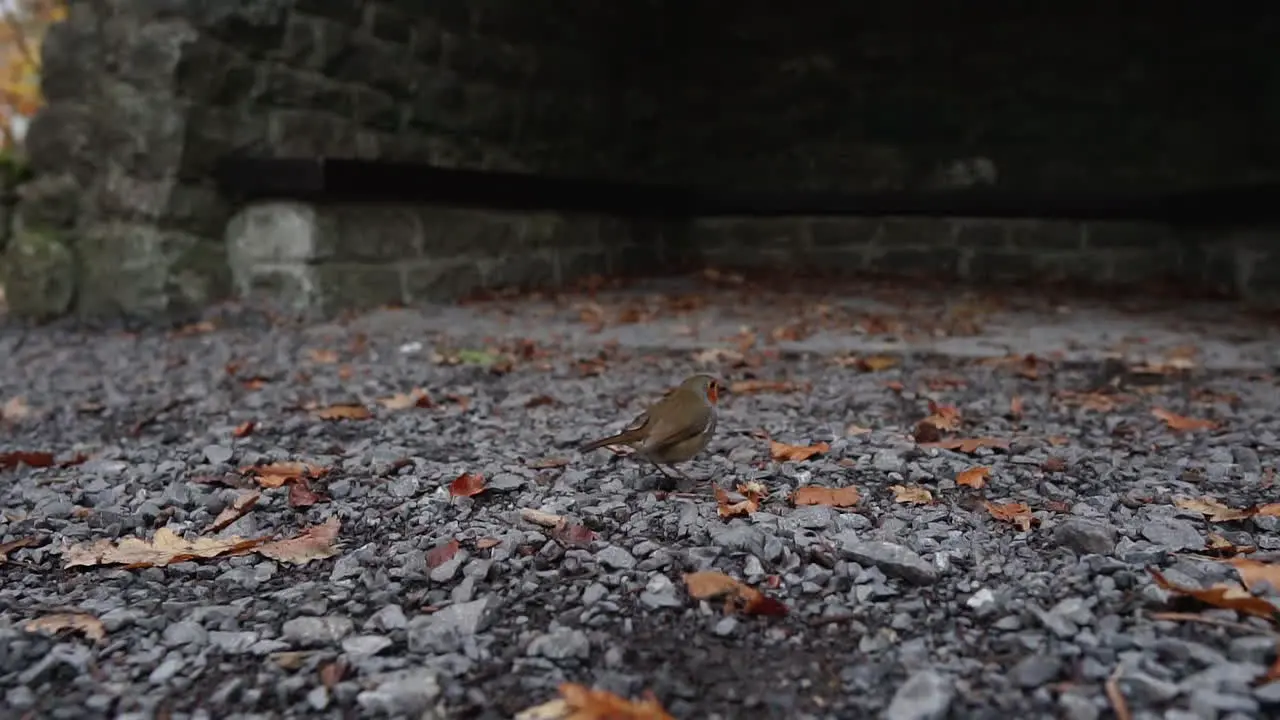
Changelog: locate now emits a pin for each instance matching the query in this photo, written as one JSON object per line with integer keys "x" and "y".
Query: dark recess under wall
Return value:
{"x": 345, "y": 180}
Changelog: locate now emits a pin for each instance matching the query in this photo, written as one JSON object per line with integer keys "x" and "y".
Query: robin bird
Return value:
{"x": 674, "y": 429}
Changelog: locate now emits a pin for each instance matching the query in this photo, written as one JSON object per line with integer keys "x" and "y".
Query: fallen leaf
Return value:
{"x": 165, "y": 548}
{"x": 301, "y": 495}
{"x": 277, "y": 474}
{"x": 568, "y": 533}
{"x": 914, "y": 495}
{"x": 343, "y": 412}
{"x": 1015, "y": 406}
{"x": 1268, "y": 510}
{"x": 854, "y": 430}
{"x": 540, "y": 401}
{"x": 783, "y": 452}
{"x": 442, "y": 554}
{"x": 244, "y": 429}
{"x": 1228, "y": 596}
{"x": 290, "y": 659}
{"x": 331, "y": 673}
{"x": 967, "y": 445}
{"x": 314, "y": 543}
{"x": 708, "y": 584}
{"x": 755, "y": 387}
{"x": 15, "y": 409}
{"x": 1179, "y": 423}
{"x": 1095, "y": 401}
{"x": 1254, "y": 573}
{"x": 847, "y": 496}
{"x": 876, "y": 363}
{"x": 943, "y": 417}
{"x": 415, "y": 398}
{"x": 1213, "y": 510}
{"x": 974, "y": 477}
{"x": 467, "y": 485}
{"x": 727, "y": 509}
{"x": 325, "y": 357}
{"x": 6, "y": 548}
{"x": 243, "y": 503}
{"x": 578, "y": 702}
{"x": 1016, "y": 513}
{"x": 84, "y": 623}
{"x": 1218, "y": 544}
{"x": 195, "y": 328}
{"x": 1054, "y": 463}
{"x": 485, "y": 543}
{"x": 11, "y": 460}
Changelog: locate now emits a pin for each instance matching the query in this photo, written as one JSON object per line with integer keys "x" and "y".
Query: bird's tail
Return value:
{"x": 622, "y": 438}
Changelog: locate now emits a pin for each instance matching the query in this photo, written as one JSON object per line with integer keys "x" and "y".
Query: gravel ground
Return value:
{"x": 896, "y": 609}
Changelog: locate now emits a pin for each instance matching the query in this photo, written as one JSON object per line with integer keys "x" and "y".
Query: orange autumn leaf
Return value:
{"x": 876, "y": 363}
{"x": 1213, "y": 510}
{"x": 416, "y": 397}
{"x": 1254, "y": 573}
{"x": 313, "y": 543}
{"x": 244, "y": 429}
{"x": 755, "y": 387}
{"x": 974, "y": 477}
{"x": 752, "y": 493}
{"x": 467, "y": 485}
{"x": 243, "y": 503}
{"x": 1017, "y": 513}
{"x": 914, "y": 495}
{"x": 943, "y": 417}
{"x": 579, "y": 702}
{"x": 324, "y": 357}
{"x": 344, "y": 412}
{"x": 276, "y": 474}
{"x": 1180, "y": 423}
{"x": 783, "y": 452}
{"x": 831, "y": 497}
{"x": 1016, "y": 406}
{"x": 442, "y": 554}
{"x": 1227, "y": 596}
{"x": 739, "y": 597}
{"x": 85, "y": 624}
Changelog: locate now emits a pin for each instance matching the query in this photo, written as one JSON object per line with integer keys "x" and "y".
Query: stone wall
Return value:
{"x": 1076, "y": 96}
{"x": 338, "y": 256}
{"x": 144, "y": 97}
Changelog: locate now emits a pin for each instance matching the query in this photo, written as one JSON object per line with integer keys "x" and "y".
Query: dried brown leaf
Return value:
{"x": 914, "y": 495}
{"x": 443, "y": 553}
{"x": 243, "y": 503}
{"x": 301, "y": 495}
{"x": 876, "y": 363}
{"x": 831, "y": 497}
{"x": 1227, "y": 596}
{"x": 6, "y": 548}
{"x": 415, "y": 398}
{"x": 1213, "y": 510}
{"x": 244, "y": 429}
{"x": 15, "y": 409}
{"x": 343, "y": 412}
{"x": 1017, "y": 513}
{"x": 83, "y": 623}
{"x": 974, "y": 477}
{"x": 1180, "y": 423}
{"x": 578, "y": 702}
{"x": 467, "y": 485}
{"x": 549, "y": 463}
{"x": 1254, "y": 573}
{"x": 943, "y": 417}
{"x": 708, "y": 584}
{"x": 756, "y": 387}
{"x": 165, "y": 548}
{"x": 11, "y": 460}
{"x": 783, "y": 452}
{"x": 322, "y": 356}
{"x": 314, "y": 543}
{"x": 727, "y": 508}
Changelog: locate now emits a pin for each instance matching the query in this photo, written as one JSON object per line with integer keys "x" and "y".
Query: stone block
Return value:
{"x": 60, "y": 139}
{"x": 537, "y": 269}
{"x": 386, "y": 21}
{"x": 313, "y": 42}
{"x": 1125, "y": 234}
{"x": 372, "y": 233}
{"x": 440, "y": 280}
{"x": 384, "y": 66}
{"x": 747, "y": 235}
{"x": 452, "y": 231}
{"x": 1046, "y": 234}
{"x": 357, "y": 286}
{"x": 284, "y": 87}
{"x": 977, "y": 233}
{"x": 990, "y": 265}
{"x": 38, "y": 274}
{"x": 276, "y": 233}
{"x": 141, "y": 132}
{"x": 307, "y": 133}
{"x": 49, "y": 201}
{"x": 198, "y": 209}
{"x": 920, "y": 232}
{"x": 344, "y": 12}
{"x": 578, "y": 263}
{"x": 142, "y": 270}
{"x": 843, "y": 232}
{"x": 915, "y": 261}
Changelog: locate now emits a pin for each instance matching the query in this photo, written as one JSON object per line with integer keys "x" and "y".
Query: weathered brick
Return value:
{"x": 374, "y": 233}
{"x": 358, "y": 286}
{"x": 1046, "y": 235}
{"x": 843, "y": 232}
{"x": 982, "y": 233}
{"x": 537, "y": 269}
{"x": 449, "y": 232}
{"x": 385, "y": 21}
{"x": 440, "y": 280}
{"x": 284, "y": 87}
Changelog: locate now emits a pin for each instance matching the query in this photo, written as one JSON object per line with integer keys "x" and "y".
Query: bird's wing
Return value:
{"x": 666, "y": 432}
